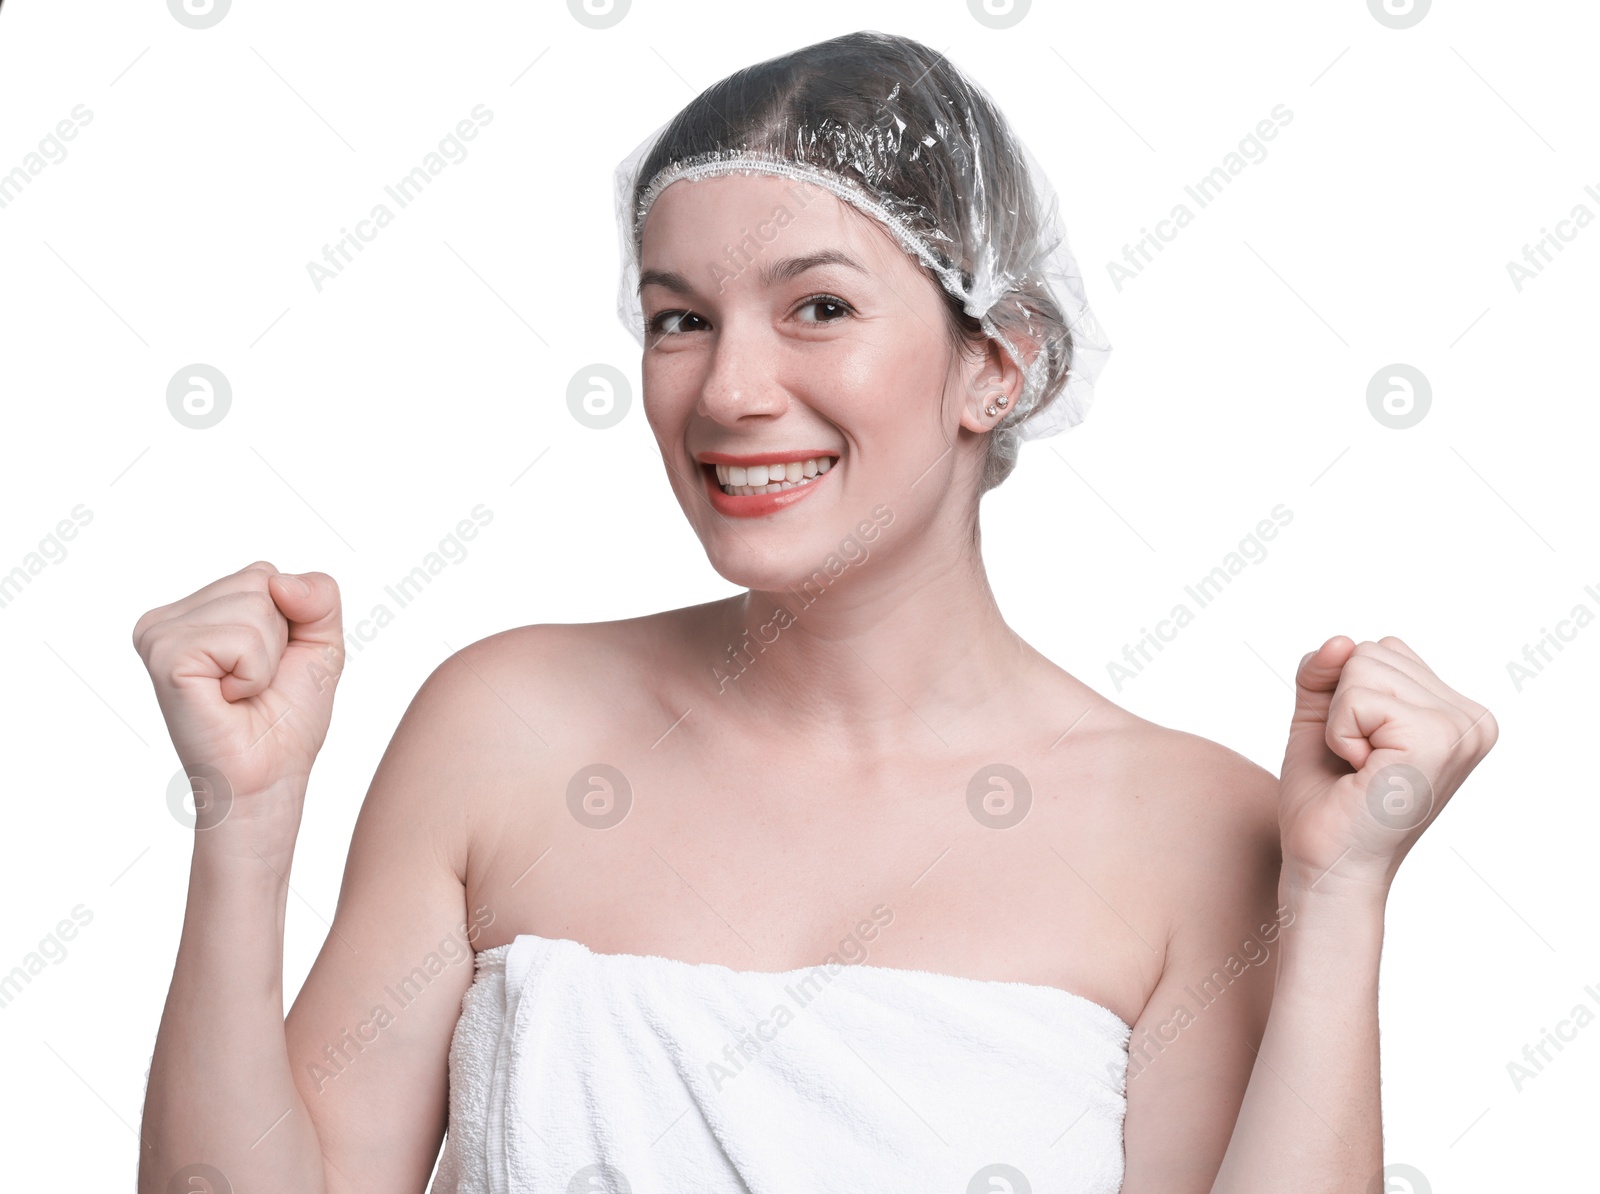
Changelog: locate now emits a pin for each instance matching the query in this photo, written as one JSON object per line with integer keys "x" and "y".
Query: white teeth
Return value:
{"x": 771, "y": 478}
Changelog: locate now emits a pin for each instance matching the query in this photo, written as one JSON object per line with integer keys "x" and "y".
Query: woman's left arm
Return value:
{"x": 1377, "y": 746}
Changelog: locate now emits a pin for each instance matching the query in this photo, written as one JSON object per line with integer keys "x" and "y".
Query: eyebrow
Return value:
{"x": 782, "y": 270}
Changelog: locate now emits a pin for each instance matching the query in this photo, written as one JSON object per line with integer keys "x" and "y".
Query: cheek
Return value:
{"x": 903, "y": 386}
{"x": 666, "y": 422}
{"x": 669, "y": 387}
{"x": 895, "y": 382}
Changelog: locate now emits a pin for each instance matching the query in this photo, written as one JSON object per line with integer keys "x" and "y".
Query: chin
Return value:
{"x": 750, "y": 567}
{"x": 806, "y": 566}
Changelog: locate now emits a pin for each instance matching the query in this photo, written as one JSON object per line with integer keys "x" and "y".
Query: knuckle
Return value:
{"x": 1360, "y": 671}
{"x": 257, "y": 610}
{"x": 150, "y": 618}
{"x": 1445, "y": 722}
{"x": 260, "y": 601}
{"x": 158, "y": 659}
{"x": 151, "y": 640}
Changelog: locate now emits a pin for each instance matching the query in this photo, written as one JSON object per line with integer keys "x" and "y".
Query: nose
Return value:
{"x": 742, "y": 379}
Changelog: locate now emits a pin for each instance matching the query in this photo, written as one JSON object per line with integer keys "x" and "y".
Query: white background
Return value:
{"x": 431, "y": 375}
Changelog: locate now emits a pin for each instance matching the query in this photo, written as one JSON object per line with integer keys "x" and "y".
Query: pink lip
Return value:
{"x": 757, "y": 505}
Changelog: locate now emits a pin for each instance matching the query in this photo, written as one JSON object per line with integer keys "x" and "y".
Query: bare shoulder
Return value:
{"x": 1211, "y": 816}
{"x": 545, "y": 694}
{"x": 1186, "y": 782}
{"x": 1197, "y": 820}
{"x": 1208, "y": 788}
{"x": 1184, "y": 787}
{"x": 570, "y": 665}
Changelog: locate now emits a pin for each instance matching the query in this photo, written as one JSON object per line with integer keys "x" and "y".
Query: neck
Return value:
{"x": 904, "y": 649}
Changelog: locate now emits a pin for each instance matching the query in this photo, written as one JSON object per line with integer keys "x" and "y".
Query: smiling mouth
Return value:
{"x": 747, "y": 480}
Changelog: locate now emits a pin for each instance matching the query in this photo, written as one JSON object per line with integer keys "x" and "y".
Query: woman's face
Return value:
{"x": 783, "y": 327}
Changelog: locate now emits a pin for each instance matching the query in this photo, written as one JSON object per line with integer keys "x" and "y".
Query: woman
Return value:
{"x": 834, "y": 884}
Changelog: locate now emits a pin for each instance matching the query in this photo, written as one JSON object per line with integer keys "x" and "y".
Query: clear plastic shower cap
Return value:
{"x": 893, "y": 128}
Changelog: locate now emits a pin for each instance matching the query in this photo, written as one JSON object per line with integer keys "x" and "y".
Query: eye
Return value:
{"x": 834, "y": 309}
{"x": 672, "y": 323}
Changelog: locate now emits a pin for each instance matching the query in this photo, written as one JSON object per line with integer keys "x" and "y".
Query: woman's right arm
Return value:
{"x": 350, "y": 1095}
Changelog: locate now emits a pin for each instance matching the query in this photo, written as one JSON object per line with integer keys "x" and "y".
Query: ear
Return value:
{"x": 988, "y": 377}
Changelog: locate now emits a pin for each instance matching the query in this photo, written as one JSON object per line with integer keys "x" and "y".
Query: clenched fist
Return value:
{"x": 244, "y": 670}
{"x": 1377, "y": 745}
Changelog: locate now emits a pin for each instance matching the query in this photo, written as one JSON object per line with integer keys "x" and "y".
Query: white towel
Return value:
{"x": 576, "y": 1071}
